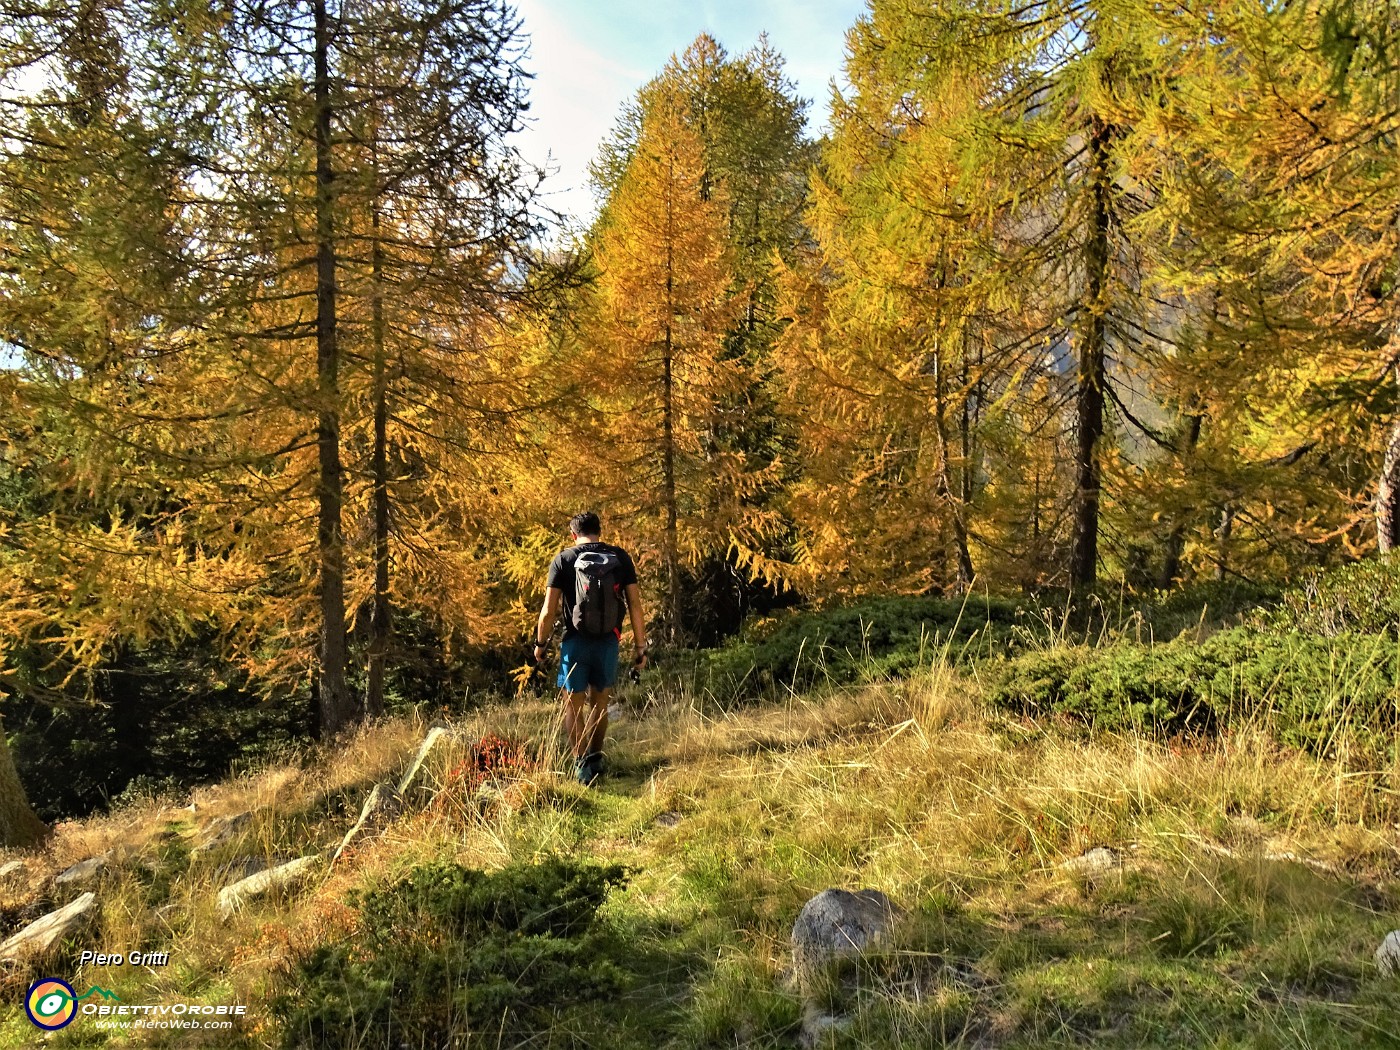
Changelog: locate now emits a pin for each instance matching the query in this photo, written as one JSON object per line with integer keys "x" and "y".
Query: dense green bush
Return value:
{"x": 890, "y": 637}
{"x": 163, "y": 717}
{"x": 881, "y": 637}
{"x": 1305, "y": 688}
{"x": 424, "y": 668}
{"x": 1211, "y": 604}
{"x": 1363, "y": 597}
{"x": 450, "y": 950}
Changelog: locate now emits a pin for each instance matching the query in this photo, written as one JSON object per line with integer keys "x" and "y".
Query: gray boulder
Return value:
{"x": 382, "y": 806}
{"x": 839, "y": 922}
{"x": 40, "y": 936}
{"x": 233, "y": 897}
{"x": 15, "y": 869}
{"x": 84, "y": 869}
{"x": 431, "y": 742}
{"x": 241, "y": 867}
{"x": 1098, "y": 861}
{"x": 1388, "y": 954}
{"x": 222, "y": 831}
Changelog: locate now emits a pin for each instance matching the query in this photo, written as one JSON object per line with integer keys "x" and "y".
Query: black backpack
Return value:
{"x": 598, "y": 602}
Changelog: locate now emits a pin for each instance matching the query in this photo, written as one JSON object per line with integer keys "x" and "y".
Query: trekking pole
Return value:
{"x": 635, "y": 674}
{"x": 532, "y": 677}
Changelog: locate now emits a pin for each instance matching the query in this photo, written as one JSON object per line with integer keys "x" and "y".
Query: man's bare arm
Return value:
{"x": 549, "y": 612}
{"x": 639, "y": 622}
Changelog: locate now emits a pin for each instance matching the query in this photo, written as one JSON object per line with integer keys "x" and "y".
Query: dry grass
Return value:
{"x": 1255, "y": 880}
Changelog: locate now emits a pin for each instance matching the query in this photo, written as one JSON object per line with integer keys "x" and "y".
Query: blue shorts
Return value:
{"x": 587, "y": 662}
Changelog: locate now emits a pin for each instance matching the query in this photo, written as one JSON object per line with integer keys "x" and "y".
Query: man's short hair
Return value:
{"x": 586, "y": 524}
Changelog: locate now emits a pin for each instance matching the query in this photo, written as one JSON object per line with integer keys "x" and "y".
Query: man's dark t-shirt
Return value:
{"x": 561, "y": 575}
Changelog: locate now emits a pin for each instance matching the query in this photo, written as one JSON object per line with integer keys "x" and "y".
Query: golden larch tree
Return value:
{"x": 655, "y": 372}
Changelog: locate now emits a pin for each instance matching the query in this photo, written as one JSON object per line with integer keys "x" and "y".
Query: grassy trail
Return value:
{"x": 1250, "y": 887}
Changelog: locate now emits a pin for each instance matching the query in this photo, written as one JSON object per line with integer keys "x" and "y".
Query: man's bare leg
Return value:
{"x": 575, "y": 708}
{"x": 598, "y": 718}
{"x": 586, "y": 720}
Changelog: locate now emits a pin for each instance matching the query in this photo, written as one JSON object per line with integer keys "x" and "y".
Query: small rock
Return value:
{"x": 241, "y": 868}
{"x": 222, "y": 831}
{"x": 436, "y": 734}
{"x": 1097, "y": 861}
{"x": 41, "y": 935}
{"x": 839, "y": 922}
{"x": 1388, "y": 954}
{"x": 817, "y": 1025}
{"x": 231, "y": 898}
{"x": 15, "y": 869}
{"x": 615, "y": 712}
{"x": 84, "y": 869}
{"x": 669, "y": 819}
{"x": 382, "y": 806}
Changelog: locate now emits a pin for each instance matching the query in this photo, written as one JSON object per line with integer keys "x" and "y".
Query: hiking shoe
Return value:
{"x": 590, "y": 767}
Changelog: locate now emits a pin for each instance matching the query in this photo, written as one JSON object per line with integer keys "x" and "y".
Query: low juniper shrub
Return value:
{"x": 1362, "y": 597}
{"x": 881, "y": 638}
{"x": 894, "y": 636}
{"x": 1306, "y": 689}
{"x": 450, "y": 951}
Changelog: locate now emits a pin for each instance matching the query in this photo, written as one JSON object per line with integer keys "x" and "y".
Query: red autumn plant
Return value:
{"x": 491, "y": 758}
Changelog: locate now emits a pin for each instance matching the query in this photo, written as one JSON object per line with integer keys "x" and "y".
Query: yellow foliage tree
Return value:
{"x": 653, "y": 374}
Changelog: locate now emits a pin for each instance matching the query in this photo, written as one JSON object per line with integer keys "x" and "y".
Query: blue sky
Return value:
{"x": 588, "y": 58}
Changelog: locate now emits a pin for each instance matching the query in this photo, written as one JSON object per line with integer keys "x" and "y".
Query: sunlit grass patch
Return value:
{"x": 1250, "y": 882}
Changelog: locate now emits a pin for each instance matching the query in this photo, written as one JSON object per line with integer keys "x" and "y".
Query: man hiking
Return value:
{"x": 591, "y": 583}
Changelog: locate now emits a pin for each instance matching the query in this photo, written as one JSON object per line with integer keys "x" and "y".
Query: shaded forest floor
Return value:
{"x": 1249, "y": 886}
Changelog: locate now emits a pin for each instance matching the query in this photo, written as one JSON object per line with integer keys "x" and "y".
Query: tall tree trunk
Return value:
{"x": 337, "y": 709}
{"x": 18, "y": 824}
{"x": 1388, "y": 495}
{"x": 1175, "y": 544}
{"x": 1089, "y": 399}
{"x": 1388, "y": 490}
{"x": 1035, "y": 520}
{"x": 380, "y": 624}
{"x": 965, "y": 470}
{"x": 668, "y": 431}
{"x": 668, "y": 476}
{"x": 1222, "y": 541}
{"x": 945, "y": 487}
